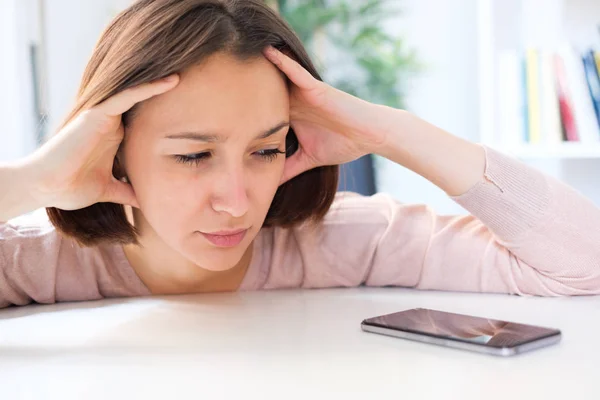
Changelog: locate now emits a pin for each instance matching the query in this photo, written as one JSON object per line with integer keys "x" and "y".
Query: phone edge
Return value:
{"x": 496, "y": 351}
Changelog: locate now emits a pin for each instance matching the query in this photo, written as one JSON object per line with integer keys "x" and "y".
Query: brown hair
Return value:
{"x": 155, "y": 38}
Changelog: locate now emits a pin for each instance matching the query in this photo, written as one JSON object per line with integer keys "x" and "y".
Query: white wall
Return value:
{"x": 71, "y": 31}
{"x": 444, "y": 33}
{"x": 17, "y": 133}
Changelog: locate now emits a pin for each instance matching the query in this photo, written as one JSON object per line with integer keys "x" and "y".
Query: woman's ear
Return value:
{"x": 291, "y": 143}
{"x": 119, "y": 167}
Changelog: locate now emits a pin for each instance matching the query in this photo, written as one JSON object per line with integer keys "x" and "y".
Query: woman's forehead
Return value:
{"x": 221, "y": 92}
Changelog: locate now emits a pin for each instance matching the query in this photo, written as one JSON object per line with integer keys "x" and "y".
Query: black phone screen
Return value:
{"x": 464, "y": 328}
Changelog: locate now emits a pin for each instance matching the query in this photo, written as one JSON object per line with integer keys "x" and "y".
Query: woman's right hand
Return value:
{"x": 74, "y": 169}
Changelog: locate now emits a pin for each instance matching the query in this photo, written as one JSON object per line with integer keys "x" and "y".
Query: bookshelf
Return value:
{"x": 516, "y": 25}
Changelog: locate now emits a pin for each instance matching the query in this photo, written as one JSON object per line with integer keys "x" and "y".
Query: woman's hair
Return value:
{"x": 156, "y": 38}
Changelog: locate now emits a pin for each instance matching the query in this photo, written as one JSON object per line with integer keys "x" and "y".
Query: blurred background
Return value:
{"x": 518, "y": 75}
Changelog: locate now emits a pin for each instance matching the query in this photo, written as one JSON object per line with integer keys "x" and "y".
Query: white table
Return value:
{"x": 287, "y": 344}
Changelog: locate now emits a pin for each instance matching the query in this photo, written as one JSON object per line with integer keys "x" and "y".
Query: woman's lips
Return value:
{"x": 226, "y": 238}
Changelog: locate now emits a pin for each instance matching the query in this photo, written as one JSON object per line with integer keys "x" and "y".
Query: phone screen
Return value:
{"x": 464, "y": 328}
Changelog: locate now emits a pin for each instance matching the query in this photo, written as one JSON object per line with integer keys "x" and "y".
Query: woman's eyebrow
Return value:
{"x": 212, "y": 138}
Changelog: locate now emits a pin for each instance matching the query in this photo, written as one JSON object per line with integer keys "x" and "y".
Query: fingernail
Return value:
{"x": 270, "y": 51}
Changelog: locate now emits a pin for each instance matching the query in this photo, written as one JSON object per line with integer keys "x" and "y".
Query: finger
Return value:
{"x": 121, "y": 193}
{"x": 294, "y": 166}
{"x": 296, "y": 72}
{"x": 123, "y": 101}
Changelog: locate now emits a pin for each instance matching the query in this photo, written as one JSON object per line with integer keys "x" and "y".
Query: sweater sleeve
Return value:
{"x": 527, "y": 234}
{"x": 38, "y": 265}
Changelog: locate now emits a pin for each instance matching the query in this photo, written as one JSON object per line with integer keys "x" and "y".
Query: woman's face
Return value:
{"x": 203, "y": 158}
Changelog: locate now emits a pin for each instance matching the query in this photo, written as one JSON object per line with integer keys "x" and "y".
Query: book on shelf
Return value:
{"x": 569, "y": 128}
{"x": 550, "y": 100}
{"x": 548, "y": 97}
{"x": 593, "y": 80}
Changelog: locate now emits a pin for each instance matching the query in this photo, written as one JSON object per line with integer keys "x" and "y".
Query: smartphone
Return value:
{"x": 465, "y": 332}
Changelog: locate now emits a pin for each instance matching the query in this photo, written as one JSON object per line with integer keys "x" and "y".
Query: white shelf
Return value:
{"x": 516, "y": 25}
{"x": 558, "y": 151}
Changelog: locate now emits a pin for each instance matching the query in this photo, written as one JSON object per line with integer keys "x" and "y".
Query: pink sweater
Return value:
{"x": 528, "y": 234}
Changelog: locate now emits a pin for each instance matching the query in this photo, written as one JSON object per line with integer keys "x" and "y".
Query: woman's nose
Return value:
{"x": 231, "y": 194}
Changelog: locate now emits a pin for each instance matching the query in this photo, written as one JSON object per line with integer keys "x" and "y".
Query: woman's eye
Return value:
{"x": 270, "y": 154}
{"x": 196, "y": 159}
{"x": 192, "y": 159}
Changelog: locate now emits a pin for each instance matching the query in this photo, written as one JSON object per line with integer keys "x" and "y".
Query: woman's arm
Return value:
{"x": 551, "y": 231}
{"x": 450, "y": 162}
{"x": 73, "y": 169}
{"x": 37, "y": 264}
{"x": 528, "y": 232}
{"x": 16, "y": 194}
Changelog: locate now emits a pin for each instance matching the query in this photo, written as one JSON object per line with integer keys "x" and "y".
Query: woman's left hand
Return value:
{"x": 333, "y": 127}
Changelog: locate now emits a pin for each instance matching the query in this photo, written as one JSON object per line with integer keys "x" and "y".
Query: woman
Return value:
{"x": 201, "y": 156}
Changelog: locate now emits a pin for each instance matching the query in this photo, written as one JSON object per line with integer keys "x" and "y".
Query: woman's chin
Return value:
{"x": 215, "y": 267}
{"x": 219, "y": 260}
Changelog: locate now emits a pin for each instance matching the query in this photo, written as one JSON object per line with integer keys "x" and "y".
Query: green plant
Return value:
{"x": 359, "y": 56}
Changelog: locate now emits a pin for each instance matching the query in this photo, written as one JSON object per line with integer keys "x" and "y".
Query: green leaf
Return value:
{"x": 355, "y": 29}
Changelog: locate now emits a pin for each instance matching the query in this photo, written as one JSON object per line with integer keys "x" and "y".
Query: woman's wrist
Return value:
{"x": 450, "y": 162}
{"x": 17, "y": 190}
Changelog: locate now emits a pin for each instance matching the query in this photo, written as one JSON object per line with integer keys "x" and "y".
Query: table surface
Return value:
{"x": 287, "y": 344}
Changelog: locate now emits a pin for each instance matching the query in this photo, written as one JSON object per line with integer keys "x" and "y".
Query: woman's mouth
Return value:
{"x": 226, "y": 238}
